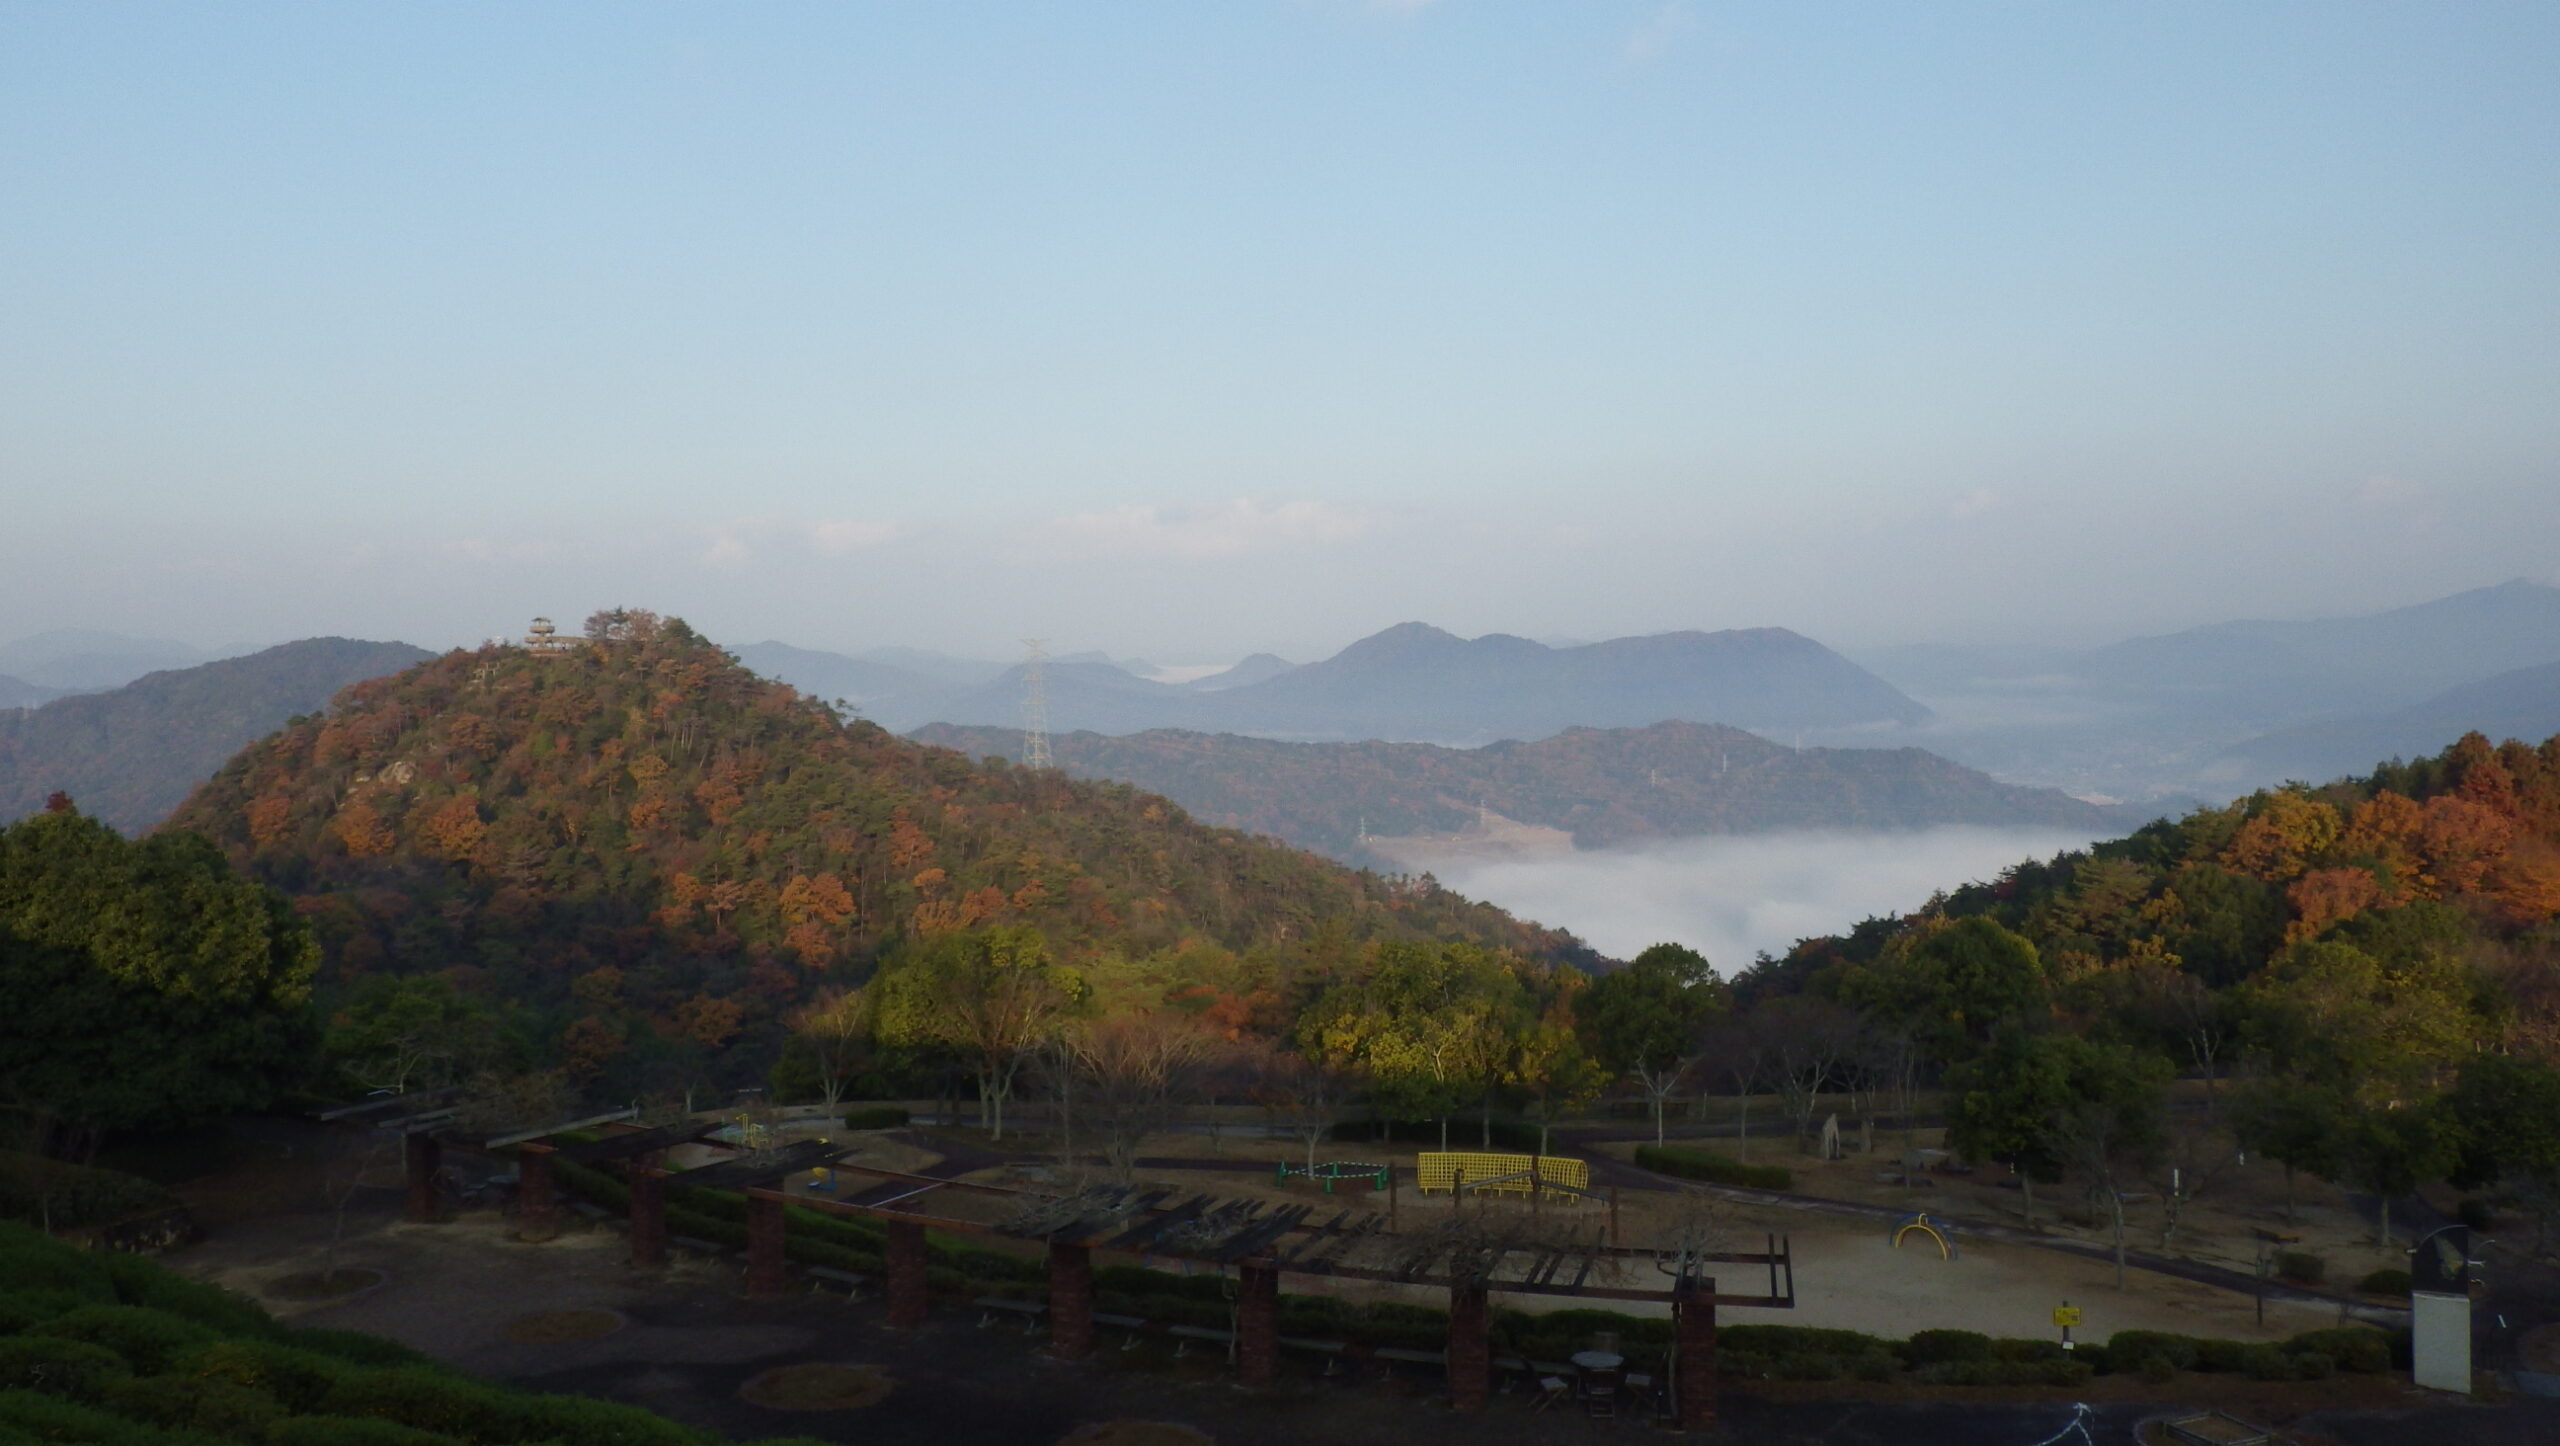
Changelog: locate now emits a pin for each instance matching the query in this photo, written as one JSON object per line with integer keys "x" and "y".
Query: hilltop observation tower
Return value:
{"x": 542, "y": 637}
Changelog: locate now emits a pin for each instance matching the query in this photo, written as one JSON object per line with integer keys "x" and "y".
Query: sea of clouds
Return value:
{"x": 1732, "y": 896}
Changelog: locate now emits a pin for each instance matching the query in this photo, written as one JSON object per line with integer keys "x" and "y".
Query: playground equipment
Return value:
{"x": 1350, "y": 1174}
{"x": 746, "y": 1132}
{"x": 1936, "y": 1231}
{"x": 1501, "y": 1174}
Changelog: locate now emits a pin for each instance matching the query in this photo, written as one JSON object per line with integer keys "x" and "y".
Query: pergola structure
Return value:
{"x": 1263, "y": 1242}
{"x": 1259, "y": 1240}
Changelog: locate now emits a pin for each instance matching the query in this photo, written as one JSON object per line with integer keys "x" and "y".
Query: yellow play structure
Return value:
{"x": 1500, "y": 1174}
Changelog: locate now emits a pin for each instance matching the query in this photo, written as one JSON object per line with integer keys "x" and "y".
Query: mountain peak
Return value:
{"x": 1404, "y": 640}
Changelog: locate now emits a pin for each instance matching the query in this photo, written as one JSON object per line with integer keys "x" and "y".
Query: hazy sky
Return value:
{"x": 1186, "y": 329}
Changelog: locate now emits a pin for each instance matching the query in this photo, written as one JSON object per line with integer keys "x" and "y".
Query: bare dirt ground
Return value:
{"x": 1848, "y": 1273}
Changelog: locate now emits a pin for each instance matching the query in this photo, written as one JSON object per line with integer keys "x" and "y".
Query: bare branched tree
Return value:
{"x": 1478, "y": 1238}
{"x": 834, "y": 1030}
{"x": 1303, "y": 1095}
{"x": 1740, "y": 1055}
{"x": 1135, "y": 1073}
{"x": 1809, "y": 1041}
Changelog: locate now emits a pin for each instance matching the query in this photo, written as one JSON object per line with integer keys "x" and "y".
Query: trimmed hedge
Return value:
{"x": 2390, "y": 1280}
{"x": 2310, "y": 1356}
{"x": 1713, "y": 1168}
{"x": 876, "y": 1117}
{"x": 148, "y": 1340}
{"x": 76, "y": 1370}
{"x": 115, "y": 1351}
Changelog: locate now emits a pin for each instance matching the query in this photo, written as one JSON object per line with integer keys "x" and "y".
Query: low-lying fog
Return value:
{"x": 1733, "y": 895}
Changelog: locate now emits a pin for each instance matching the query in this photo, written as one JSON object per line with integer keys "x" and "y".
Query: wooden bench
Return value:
{"x": 1330, "y": 1350}
{"x": 698, "y": 1245}
{"x": 852, "y": 1281}
{"x": 1133, "y": 1324}
{"x": 590, "y": 1210}
{"x": 1184, "y": 1335}
{"x": 1390, "y": 1357}
{"x": 1031, "y": 1311}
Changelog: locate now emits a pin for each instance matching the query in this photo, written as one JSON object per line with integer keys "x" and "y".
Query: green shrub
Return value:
{"x": 2300, "y": 1266}
{"x": 580, "y": 1421}
{"x": 351, "y": 1431}
{"x": 58, "y": 1366}
{"x": 2311, "y": 1365}
{"x": 1874, "y": 1366}
{"x": 1395, "y": 1323}
{"x": 356, "y": 1348}
{"x": 1781, "y": 1340}
{"x": 2390, "y": 1280}
{"x": 147, "y": 1339}
{"x": 427, "y": 1400}
{"x": 2179, "y": 1351}
{"x": 184, "y": 1403}
{"x": 876, "y": 1117}
{"x": 34, "y": 1416}
{"x": 2359, "y": 1350}
{"x": 2006, "y": 1373}
{"x": 2265, "y": 1363}
{"x": 298, "y": 1378}
{"x": 1713, "y": 1168}
{"x": 20, "y": 1309}
{"x": 1138, "y": 1280}
{"x": 31, "y": 1260}
{"x": 2220, "y": 1355}
{"x": 1809, "y": 1367}
{"x": 1324, "y": 1316}
{"x": 1557, "y": 1334}
{"x": 143, "y": 1282}
{"x": 1931, "y": 1346}
{"x": 2157, "y": 1369}
{"x": 2010, "y": 1348}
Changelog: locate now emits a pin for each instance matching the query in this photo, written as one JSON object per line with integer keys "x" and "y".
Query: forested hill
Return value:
{"x": 2449, "y": 864}
{"x": 654, "y": 850}
{"x": 1603, "y": 785}
{"x": 130, "y": 755}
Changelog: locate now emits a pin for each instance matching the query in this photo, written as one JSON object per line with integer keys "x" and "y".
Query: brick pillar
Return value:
{"x": 537, "y": 1202}
{"x": 1258, "y": 1324}
{"x": 648, "y": 1216}
{"x": 768, "y": 1270}
{"x": 1693, "y": 1307}
{"x": 909, "y": 1297}
{"x": 1470, "y": 1346}
{"x": 1070, "y": 1301}
{"x": 425, "y": 1156}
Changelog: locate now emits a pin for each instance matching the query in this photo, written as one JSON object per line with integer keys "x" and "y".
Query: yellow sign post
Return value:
{"x": 2066, "y": 1315}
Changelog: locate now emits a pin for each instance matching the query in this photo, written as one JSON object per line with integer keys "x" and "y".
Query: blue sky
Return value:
{"x": 1191, "y": 329}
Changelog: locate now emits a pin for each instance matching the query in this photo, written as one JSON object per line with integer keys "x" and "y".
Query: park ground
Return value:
{"x": 686, "y": 1341}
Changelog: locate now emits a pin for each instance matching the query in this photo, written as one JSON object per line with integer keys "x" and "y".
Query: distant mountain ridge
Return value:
{"x": 131, "y": 755}
{"x": 2202, "y": 712}
{"x": 1412, "y": 682}
{"x": 2524, "y": 704}
{"x": 2366, "y": 662}
{"x": 1604, "y": 786}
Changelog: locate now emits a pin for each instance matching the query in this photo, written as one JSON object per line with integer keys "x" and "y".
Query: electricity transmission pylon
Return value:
{"x": 1035, "y": 703}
